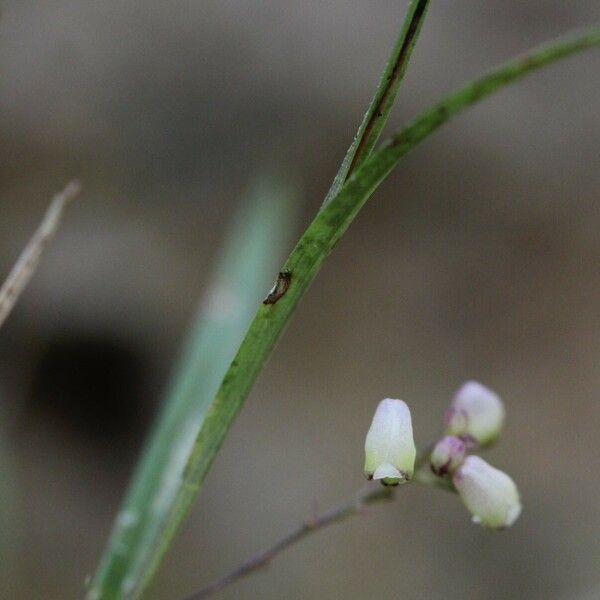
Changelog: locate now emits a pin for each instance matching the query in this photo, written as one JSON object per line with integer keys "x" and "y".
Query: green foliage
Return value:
{"x": 381, "y": 105}
{"x": 132, "y": 558}
{"x": 242, "y": 276}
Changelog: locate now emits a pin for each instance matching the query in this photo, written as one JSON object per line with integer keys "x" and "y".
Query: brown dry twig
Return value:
{"x": 360, "y": 501}
{"x": 369, "y": 495}
{"x": 27, "y": 263}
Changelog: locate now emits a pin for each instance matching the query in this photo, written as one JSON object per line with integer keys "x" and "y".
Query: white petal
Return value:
{"x": 490, "y": 494}
{"x": 389, "y": 442}
{"x": 387, "y": 471}
{"x": 477, "y": 411}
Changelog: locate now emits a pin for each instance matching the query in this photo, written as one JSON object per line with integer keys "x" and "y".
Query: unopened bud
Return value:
{"x": 477, "y": 413}
{"x": 490, "y": 494}
{"x": 389, "y": 448}
{"x": 447, "y": 455}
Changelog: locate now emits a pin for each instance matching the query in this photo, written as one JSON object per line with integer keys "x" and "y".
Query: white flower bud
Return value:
{"x": 476, "y": 412}
{"x": 490, "y": 494}
{"x": 447, "y": 455}
{"x": 389, "y": 448}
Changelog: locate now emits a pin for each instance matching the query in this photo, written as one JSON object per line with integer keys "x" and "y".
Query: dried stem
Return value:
{"x": 369, "y": 495}
{"x": 27, "y": 263}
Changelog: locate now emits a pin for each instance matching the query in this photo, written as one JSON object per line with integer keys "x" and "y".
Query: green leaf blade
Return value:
{"x": 242, "y": 277}
{"x": 380, "y": 107}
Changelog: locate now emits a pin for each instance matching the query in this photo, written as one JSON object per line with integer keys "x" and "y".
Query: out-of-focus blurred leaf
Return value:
{"x": 252, "y": 250}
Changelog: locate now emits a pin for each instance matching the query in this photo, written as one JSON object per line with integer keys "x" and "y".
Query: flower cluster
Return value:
{"x": 473, "y": 421}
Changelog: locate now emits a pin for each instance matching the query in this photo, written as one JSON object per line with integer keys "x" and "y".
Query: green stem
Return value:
{"x": 159, "y": 470}
{"x": 378, "y": 112}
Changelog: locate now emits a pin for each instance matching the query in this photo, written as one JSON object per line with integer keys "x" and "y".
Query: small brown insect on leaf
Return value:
{"x": 280, "y": 288}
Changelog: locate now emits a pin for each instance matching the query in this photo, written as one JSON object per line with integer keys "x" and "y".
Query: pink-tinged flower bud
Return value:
{"x": 447, "y": 455}
{"x": 490, "y": 494}
{"x": 389, "y": 448}
{"x": 477, "y": 413}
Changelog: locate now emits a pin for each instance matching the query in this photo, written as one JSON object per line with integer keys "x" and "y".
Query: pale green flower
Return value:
{"x": 476, "y": 413}
{"x": 389, "y": 447}
{"x": 490, "y": 494}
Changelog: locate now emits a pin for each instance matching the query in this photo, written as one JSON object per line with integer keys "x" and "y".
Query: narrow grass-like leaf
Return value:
{"x": 300, "y": 269}
{"x": 242, "y": 276}
{"x": 378, "y": 112}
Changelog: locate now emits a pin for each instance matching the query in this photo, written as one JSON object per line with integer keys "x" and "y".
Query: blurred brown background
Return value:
{"x": 477, "y": 259}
